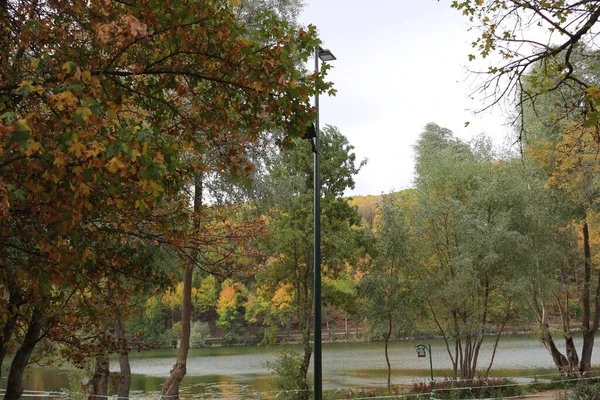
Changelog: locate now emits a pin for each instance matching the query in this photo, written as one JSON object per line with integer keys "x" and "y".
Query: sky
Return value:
{"x": 400, "y": 65}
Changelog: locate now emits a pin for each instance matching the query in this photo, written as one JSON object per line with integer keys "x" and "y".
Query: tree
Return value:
{"x": 387, "y": 290}
{"x": 556, "y": 39}
{"x": 467, "y": 203}
{"x": 228, "y": 308}
{"x": 99, "y": 106}
{"x": 570, "y": 166}
{"x": 290, "y": 226}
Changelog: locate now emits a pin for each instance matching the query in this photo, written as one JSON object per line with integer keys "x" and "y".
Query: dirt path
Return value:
{"x": 546, "y": 395}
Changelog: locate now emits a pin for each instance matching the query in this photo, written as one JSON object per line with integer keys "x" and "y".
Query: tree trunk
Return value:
{"x": 346, "y": 324}
{"x": 14, "y": 385}
{"x": 387, "y": 357}
{"x": 487, "y": 372}
{"x": 572, "y": 357}
{"x": 125, "y": 368}
{"x": 171, "y": 386}
{"x": 14, "y": 301}
{"x": 326, "y": 315}
{"x": 590, "y": 327}
{"x": 559, "y": 359}
{"x": 453, "y": 358}
{"x": 305, "y": 390}
{"x": 99, "y": 382}
{"x": 305, "y": 322}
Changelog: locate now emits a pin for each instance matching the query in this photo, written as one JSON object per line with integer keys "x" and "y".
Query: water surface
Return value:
{"x": 230, "y": 370}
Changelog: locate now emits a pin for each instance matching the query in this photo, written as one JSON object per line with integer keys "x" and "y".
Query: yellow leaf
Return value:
{"x": 22, "y": 124}
{"x": 114, "y": 165}
{"x": 83, "y": 189}
{"x": 135, "y": 154}
{"x": 235, "y": 3}
{"x": 59, "y": 162}
{"x": 593, "y": 91}
{"x": 86, "y": 76}
{"x": 32, "y": 147}
{"x": 77, "y": 148}
{"x": 63, "y": 99}
{"x": 144, "y": 184}
{"x": 68, "y": 67}
{"x": 154, "y": 189}
{"x": 84, "y": 113}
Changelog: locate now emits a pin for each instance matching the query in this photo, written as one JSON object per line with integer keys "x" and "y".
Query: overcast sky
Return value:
{"x": 400, "y": 64}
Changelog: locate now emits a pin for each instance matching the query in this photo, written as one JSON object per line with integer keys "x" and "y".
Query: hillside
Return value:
{"x": 367, "y": 206}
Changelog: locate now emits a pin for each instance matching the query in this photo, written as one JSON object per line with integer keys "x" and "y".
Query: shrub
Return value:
{"x": 288, "y": 380}
{"x": 479, "y": 387}
{"x": 200, "y": 331}
{"x": 583, "y": 391}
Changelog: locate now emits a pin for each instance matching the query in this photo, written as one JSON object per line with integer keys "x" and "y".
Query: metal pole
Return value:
{"x": 318, "y": 373}
{"x": 431, "y": 369}
{"x": 430, "y": 362}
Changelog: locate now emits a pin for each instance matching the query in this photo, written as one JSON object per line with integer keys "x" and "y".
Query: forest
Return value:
{"x": 156, "y": 190}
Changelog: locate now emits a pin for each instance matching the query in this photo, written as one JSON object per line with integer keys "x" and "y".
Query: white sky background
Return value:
{"x": 400, "y": 64}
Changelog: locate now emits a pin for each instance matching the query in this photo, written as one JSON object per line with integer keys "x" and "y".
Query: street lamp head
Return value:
{"x": 421, "y": 351}
{"x": 310, "y": 132}
{"x": 326, "y": 55}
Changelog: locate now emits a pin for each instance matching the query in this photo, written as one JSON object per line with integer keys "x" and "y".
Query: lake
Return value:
{"x": 228, "y": 371}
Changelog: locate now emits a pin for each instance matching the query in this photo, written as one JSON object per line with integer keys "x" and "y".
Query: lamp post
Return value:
{"x": 421, "y": 350}
{"x": 323, "y": 55}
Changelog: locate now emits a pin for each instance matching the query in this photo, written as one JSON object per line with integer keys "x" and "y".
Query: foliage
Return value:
{"x": 367, "y": 207}
{"x": 230, "y": 320}
{"x": 582, "y": 391}
{"x": 289, "y": 381}
{"x": 479, "y": 387}
{"x": 565, "y": 153}
{"x": 290, "y": 225}
{"x": 106, "y": 111}
{"x": 200, "y": 332}
{"x": 553, "y": 40}
{"x": 469, "y": 220}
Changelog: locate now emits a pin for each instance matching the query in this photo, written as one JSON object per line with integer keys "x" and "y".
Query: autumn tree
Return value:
{"x": 101, "y": 105}
{"x": 570, "y": 167}
{"x": 549, "y": 56}
{"x": 555, "y": 40}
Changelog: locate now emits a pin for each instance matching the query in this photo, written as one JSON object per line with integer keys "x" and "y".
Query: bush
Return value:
{"x": 583, "y": 391}
{"x": 200, "y": 331}
{"x": 288, "y": 380}
{"x": 479, "y": 387}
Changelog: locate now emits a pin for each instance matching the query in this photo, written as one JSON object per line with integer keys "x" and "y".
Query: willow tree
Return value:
{"x": 467, "y": 202}
{"x": 388, "y": 287}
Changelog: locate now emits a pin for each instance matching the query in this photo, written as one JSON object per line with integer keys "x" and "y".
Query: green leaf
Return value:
{"x": 9, "y": 117}
{"x": 21, "y": 137}
{"x": 83, "y": 114}
{"x": 19, "y": 194}
{"x": 25, "y": 88}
